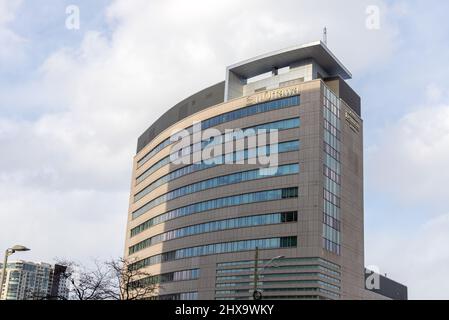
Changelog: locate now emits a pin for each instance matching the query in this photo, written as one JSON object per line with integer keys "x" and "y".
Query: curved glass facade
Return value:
{"x": 221, "y": 181}
{"x": 235, "y": 223}
{"x": 216, "y": 248}
{"x": 283, "y": 147}
{"x": 219, "y": 203}
{"x": 234, "y": 156}
{"x": 226, "y": 117}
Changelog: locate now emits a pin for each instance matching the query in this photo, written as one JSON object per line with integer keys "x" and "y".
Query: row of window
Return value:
{"x": 328, "y": 278}
{"x": 177, "y": 296}
{"x": 229, "y": 116}
{"x": 288, "y": 297}
{"x": 237, "y": 135}
{"x": 330, "y": 293}
{"x": 214, "y": 183}
{"x": 329, "y": 264}
{"x": 163, "y": 162}
{"x": 279, "y": 297}
{"x": 262, "y": 196}
{"x": 183, "y": 275}
{"x": 236, "y": 284}
{"x": 283, "y": 260}
{"x": 281, "y": 289}
{"x": 251, "y": 110}
{"x": 283, "y": 147}
{"x": 246, "y": 291}
{"x": 216, "y": 248}
{"x": 264, "y": 277}
{"x": 233, "y": 157}
{"x": 282, "y": 283}
{"x": 154, "y": 151}
{"x": 241, "y": 222}
{"x": 290, "y": 268}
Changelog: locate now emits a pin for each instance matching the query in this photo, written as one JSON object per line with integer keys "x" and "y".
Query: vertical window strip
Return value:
{"x": 331, "y": 172}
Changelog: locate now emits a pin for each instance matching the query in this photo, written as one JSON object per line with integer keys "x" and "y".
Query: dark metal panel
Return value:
{"x": 389, "y": 288}
{"x": 199, "y": 101}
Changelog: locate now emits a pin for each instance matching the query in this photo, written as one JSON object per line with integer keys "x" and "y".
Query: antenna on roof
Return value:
{"x": 325, "y": 36}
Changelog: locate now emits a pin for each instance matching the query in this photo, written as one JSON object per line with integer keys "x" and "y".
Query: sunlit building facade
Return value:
{"x": 195, "y": 227}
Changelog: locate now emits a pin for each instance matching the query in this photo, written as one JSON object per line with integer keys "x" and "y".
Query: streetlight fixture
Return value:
{"x": 8, "y": 252}
{"x": 257, "y": 295}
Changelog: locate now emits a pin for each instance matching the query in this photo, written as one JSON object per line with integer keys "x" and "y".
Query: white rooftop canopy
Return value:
{"x": 285, "y": 57}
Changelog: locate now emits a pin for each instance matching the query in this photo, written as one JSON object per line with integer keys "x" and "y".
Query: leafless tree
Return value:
{"x": 111, "y": 280}
{"x": 127, "y": 283}
{"x": 85, "y": 283}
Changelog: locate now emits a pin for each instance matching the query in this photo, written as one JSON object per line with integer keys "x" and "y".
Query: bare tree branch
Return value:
{"x": 85, "y": 284}
{"x": 111, "y": 280}
{"x": 128, "y": 283}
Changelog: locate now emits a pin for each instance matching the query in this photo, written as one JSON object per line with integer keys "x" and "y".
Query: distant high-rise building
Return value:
{"x": 34, "y": 281}
{"x": 195, "y": 226}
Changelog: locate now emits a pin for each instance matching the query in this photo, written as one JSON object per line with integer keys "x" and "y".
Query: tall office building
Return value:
{"x": 34, "y": 281}
{"x": 195, "y": 226}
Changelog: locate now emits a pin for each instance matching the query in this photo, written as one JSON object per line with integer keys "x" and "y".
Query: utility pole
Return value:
{"x": 256, "y": 293}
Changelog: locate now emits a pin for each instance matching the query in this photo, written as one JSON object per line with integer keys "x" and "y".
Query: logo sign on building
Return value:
{"x": 272, "y": 95}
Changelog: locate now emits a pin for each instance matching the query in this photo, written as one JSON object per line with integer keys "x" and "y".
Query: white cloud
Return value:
{"x": 78, "y": 224}
{"x": 408, "y": 166}
{"x": 410, "y": 159}
{"x": 10, "y": 42}
{"x": 65, "y": 171}
{"x": 7, "y": 10}
{"x": 434, "y": 93}
{"x": 423, "y": 257}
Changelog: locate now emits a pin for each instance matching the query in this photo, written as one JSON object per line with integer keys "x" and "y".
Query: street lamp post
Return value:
{"x": 257, "y": 295}
{"x": 9, "y": 252}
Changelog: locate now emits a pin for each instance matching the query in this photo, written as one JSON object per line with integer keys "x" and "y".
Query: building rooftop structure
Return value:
{"x": 288, "y": 57}
{"x": 308, "y": 62}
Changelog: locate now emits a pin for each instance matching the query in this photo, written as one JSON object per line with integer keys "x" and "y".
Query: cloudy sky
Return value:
{"x": 73, "y": 102}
